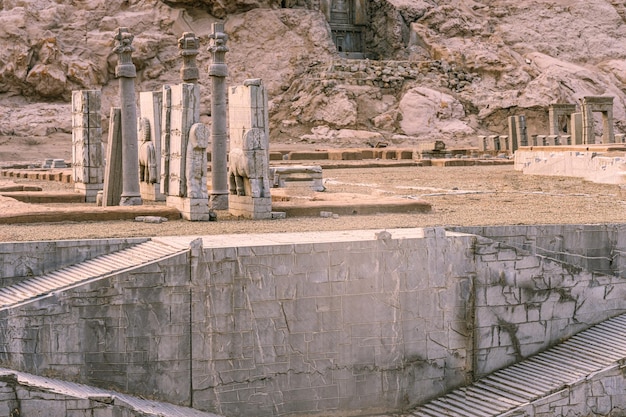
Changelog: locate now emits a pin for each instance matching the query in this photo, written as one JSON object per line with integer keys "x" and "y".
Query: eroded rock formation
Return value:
{"x": 438, "y": 70}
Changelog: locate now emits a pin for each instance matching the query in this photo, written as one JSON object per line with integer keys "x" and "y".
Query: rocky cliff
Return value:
{"x": 445, "y": 70}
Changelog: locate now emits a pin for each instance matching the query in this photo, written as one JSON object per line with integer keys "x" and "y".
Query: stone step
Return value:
{"x": 133, "y": 405}
{"x": 575, "y": 359}
{"x": 129, "y": 258}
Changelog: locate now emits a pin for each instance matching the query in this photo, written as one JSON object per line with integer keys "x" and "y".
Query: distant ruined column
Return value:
{"x": 125, "y": 71}
{"x": 189, "y": 45}
{"x": 218, "y": 71}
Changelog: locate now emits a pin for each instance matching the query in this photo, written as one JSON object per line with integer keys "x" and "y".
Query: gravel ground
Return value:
{"x": 487, "y": 195}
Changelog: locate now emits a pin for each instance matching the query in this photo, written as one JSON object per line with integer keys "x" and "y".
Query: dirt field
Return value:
{"x": 493, "y": 195}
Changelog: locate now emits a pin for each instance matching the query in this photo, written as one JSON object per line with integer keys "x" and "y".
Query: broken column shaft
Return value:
{"x": 218, "y": 71}
{"x": 126, "y": 72}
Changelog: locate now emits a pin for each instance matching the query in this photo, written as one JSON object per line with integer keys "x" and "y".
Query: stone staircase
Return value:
{"x": 535, "y": 378}
{"x": 95, "y": 268}
{"x": 132, "y": 406}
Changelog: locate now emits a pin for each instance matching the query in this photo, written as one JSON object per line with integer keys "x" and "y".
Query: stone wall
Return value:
{"x": 331, "y": 322}
{"x": 599, "y": 248}
{"x": 129, "y": 332}
{"x": 525, "y": 303}
{"x": 389, "y": 73}
{"x": 24, "y": 259}
{"x": 592, "y": 164}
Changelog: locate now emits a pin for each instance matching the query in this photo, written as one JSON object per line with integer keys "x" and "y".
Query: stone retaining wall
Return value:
{"x": 20, "y": 260}
{"x": 329, "y": 322}
{"x": 129, "y": 332}
{"x": 598, "y": 248}
{"x": 525, "y": 303}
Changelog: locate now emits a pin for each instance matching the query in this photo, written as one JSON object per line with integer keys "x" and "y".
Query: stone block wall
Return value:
{"x": 329, "y": 322}
{"x": 22, "y": 400}
{"x": 129, "y": 332}
{"x": 589, "y": 164}
{"x": 598, "y": 248}
{"x": 526, "y": 303}
{"x": 19, "y": 260}
{"x": 325, "y": 324}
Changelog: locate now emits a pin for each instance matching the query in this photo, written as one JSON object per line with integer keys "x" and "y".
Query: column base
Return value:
{"x": 132, "y": 200}
{"x": 218, "y": 201}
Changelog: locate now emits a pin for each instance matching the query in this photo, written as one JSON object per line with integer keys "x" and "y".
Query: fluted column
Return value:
{"x": 218, "y": 71}
{"x": 126, "y": 72}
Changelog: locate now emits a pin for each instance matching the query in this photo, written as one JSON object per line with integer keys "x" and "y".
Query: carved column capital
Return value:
{"x": 189, "y": 46}
{"x": 124, "y": 49}
{"x": 218, "y": 50}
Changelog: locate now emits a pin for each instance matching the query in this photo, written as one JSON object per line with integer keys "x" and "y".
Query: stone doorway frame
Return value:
{"x": 597, "y": 104}
{"x": 555, "y": 112}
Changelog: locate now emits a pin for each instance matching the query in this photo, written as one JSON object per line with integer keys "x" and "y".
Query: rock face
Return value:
{"x": 438, "y": 70}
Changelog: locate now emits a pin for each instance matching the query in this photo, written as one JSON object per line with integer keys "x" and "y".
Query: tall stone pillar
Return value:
{"x": 218, "y": 71}
{"x": 513, "y": 140}
{"x": 188, "y": 45}
{"x": 126, "y": 72}
{"x": 87, "y": 155}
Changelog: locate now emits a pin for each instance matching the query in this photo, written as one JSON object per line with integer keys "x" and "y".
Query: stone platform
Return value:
{"x": 42, "y": 197}
{"x": 87, "y": 213}
{"x": 298, "y": 207}
{"x": 605, "y": 164}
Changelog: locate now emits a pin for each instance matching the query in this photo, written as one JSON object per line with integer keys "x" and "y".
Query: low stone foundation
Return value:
{"x": 596, "y": 163}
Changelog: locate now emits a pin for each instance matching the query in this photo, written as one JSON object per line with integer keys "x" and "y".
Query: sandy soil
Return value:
{"x": 488, "y": 195}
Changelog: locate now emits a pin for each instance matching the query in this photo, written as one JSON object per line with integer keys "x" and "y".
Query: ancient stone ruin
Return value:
{"x": 248, "y": 169}
{"x": 218, "y": 71}
{"x": 126, "y": 72}
{"x": 567, "y": 127}
{"x": 87, "y": 150}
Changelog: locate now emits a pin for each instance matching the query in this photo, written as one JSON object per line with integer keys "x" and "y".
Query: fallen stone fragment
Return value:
{"x": 151, "y": 219}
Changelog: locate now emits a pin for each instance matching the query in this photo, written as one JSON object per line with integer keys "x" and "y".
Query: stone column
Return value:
{"x": 126, "y": 72}
{"x": 188, "y": 45}
{"x": 218, "y": 71}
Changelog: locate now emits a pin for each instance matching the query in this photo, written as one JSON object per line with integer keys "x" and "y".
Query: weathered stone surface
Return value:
{"x": 492, "y": 60}
{"x": 290, "y": 319}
